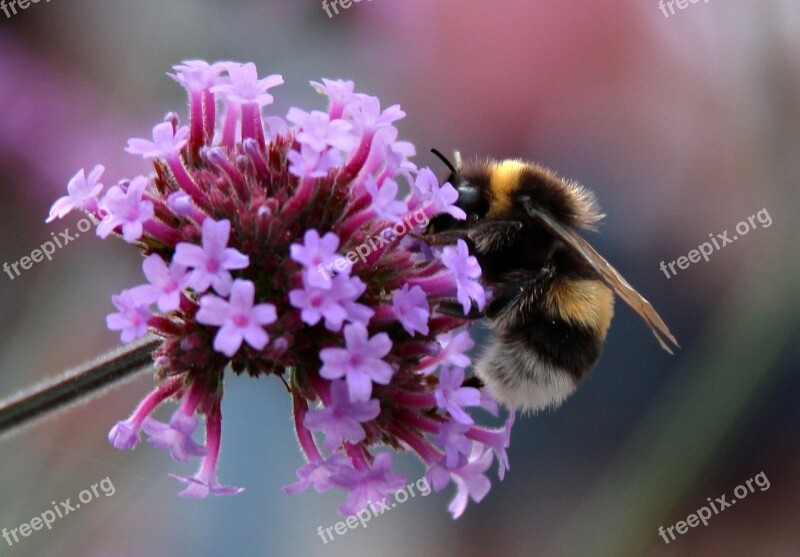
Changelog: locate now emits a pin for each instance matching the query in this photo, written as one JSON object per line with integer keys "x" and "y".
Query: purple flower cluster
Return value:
{"x": 235, "y": 220}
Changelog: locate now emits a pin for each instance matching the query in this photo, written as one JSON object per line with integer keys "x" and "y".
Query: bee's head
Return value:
{"x": 473, "y": 197}
{"x": 494, "y": 190}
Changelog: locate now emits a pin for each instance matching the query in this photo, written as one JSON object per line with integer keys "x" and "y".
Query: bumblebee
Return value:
{"x": 552, "y": 293}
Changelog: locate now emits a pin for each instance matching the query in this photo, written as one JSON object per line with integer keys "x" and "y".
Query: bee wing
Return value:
{"x": 607, "y": 274}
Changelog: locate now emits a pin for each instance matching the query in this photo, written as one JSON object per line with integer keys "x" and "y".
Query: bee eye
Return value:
{"x": 473, "y": 217}
{"x": 470, "y": 198}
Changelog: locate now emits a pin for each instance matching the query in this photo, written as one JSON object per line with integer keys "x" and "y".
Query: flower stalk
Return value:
{"x": 77, "y": 385}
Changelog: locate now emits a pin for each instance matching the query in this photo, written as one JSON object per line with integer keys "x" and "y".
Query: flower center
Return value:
{"x": 355, "y": 360}
{"x": 240, "y": 320}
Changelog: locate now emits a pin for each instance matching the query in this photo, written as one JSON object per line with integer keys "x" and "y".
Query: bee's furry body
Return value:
{"x": 550, "y": 310}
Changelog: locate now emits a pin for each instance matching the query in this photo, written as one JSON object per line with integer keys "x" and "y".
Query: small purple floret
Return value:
{"x": 82, "y": 192}
{"x": 126, "y": 208}
{"x": 175, "y": 436}
{"x": 124, "y": 435}
{"x": 341, "y": 419}
{"x": 360, "y": 363}
{"x": 369, "y": 486}
{"x": 212, "y": 263}
{"x": 240, "y": 320}
{"x": 452, "y": 397}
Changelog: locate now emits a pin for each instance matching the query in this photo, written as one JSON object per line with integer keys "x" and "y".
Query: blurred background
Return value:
{"x": 683, "y": 125}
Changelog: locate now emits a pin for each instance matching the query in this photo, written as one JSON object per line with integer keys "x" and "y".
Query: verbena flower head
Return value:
{"x": 288, "y": 251}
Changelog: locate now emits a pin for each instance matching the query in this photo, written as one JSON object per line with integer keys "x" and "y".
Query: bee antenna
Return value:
{"x": 445, "y": 160}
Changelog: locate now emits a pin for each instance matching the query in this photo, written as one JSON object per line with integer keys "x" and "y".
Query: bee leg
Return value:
{"x": 473, "y": 381}
{"x": 495, "y": 227}
{"x": 453, "y": 308}
{"x": 510, "y": 291}
{"x": 503, "y": 295}
{"x": 445, "y": 238}
{"x": 482, "y": 229}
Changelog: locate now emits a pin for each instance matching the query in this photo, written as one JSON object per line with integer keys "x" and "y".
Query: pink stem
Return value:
{"x": 187, "y": 306}
{"x": 160, "y": 231}
{"x": 186, "y": 183}
{"x": 418, "y": 422}
{"x": 300, "y": 198}
{"x": 423, "y": 400}
{"x": 440, "y": 284}
{"x": 424, "y": 448}
{"x": 231, "y": 119}
{"x": 192, "y": 398}
{"x": 151, "y": 401}
{"x": 354, "y": 223}
{"x": 196, "y": 131}
{"x": 249, "y": 114}
{"x": 384, "y": 315}
{"x": 336, "y": 110}
{"x": 304, "y": 435}
{"x": 357, "y": 456}
{"x": 213, "y": 439}
{"x": 322, "y": 387}
{"x": 209, "y": 115}
{"x": 357, "y": 160}
{"x": 252, "y": 149}
{"x": 164, "y": 325}
{"x": 218, "y": 157}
